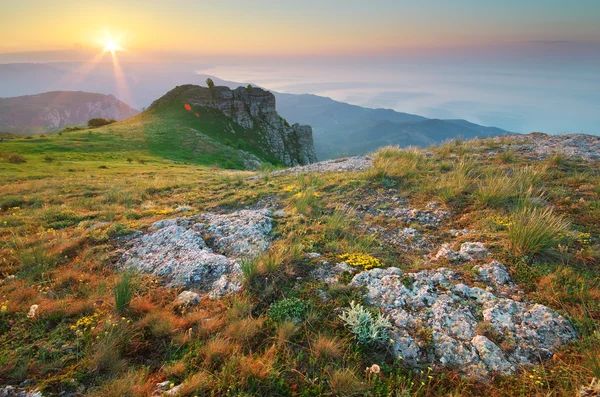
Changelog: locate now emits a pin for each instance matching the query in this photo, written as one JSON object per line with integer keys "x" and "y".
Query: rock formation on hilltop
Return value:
{"x": 54, "y": 110}
{"x": 254, "y": 109}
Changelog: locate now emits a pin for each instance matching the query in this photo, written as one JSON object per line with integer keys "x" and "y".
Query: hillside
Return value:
{"x": 476, "y": 263}
{"x": 332, "y": 121}
{"x": 341, "y": 129}
{"x": 52, "y": 111}
{"x": 188, "y": 124}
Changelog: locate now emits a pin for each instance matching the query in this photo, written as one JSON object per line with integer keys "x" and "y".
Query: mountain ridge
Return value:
{"x": 54, "y": 110}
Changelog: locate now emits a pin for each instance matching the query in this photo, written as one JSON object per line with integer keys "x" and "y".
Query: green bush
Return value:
{"x": 367, "y": 329}
{"x": 287, "y": 309}
{"x": 99, "y": 122}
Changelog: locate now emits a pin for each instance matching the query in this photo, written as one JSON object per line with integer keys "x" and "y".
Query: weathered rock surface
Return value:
{"x": 348, "y": 164}
{"x": 201, "y": 251}
{"x": 12, "y": 391}
{"x": 254, "y": 109}
{"x": 469, "y": 251}
{"x": 188, "y": 298}
{"x": 330, "y": 273}
{"x": 439, "y": 304}
{"x": 540, "y": 146}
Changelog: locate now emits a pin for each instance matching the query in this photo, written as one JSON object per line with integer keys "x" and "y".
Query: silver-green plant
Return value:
{"x": 367, "y": 329}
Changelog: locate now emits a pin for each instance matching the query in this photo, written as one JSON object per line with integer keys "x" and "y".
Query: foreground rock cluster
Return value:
{"x": 478, "y": 330}
{"x": 201, "y": 251}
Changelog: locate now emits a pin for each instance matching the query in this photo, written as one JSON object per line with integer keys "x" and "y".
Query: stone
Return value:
{"x": 188, "y": 298}
{"x": 312, "y": 255}
{"x": 494, "y": 273}
{"x": 492, "y": 356}
{"x": 348, "y": 164}
{"x": 441, "y": 303}
{"x": 473, "y": 251}
{"x": 447, "y": 253}
{"x": 330, "y": 273}
{"x": 202, "y": 251}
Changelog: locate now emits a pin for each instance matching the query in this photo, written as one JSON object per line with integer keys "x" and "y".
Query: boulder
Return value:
{"x": 440, "y": 304}
{"x": 202, "y": 251}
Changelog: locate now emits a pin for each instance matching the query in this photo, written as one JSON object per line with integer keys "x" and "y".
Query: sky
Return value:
{"x": 522, "y": 65}
{"x": 294, "y": 27}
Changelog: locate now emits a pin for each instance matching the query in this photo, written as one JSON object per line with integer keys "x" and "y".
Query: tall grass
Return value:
{"x": 123, "y": 293}
{"x": 495, "y": 191}
{"x": 533, "y": 231}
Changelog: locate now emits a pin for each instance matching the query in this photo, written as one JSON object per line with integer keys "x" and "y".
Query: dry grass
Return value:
{"x": 217, "y": 350}
{"x": 244, "y": 330}
{"x": 326, "y": 347}
{"x": 344, "y": 382}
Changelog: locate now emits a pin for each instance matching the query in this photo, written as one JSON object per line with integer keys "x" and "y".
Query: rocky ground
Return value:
{"x": 466, "y": 310}
{"x": 540, "y": 146}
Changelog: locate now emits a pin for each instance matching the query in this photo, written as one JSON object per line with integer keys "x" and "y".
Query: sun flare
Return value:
{"x": 111, "y": 45}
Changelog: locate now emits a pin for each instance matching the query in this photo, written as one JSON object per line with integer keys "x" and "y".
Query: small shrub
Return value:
{"x": 367, "y": 329}
{"x": 536, "y": 230}
{"x": 118, "y": 230}
{"x": 99, "y": 122}
{"x": 229, "y": 165}
{"x": 123, "y": 293}
{"x": 365, "y": 261}
{"x": 241, "y": 144}
{"x": 16, "y": 159}
{"x": 287, "y": 309}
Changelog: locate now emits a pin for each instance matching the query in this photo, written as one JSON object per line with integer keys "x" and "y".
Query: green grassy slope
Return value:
{"x": 168, "y": 131}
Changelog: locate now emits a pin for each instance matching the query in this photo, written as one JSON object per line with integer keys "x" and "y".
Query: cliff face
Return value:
{"x": 55, "y": 110}
{"x": 254, "y": 109}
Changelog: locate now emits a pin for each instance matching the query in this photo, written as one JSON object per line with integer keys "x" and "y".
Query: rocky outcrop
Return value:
{"x": 539, "y": 146}
{"x": 480, "y": 329}
{"x": 203, "y": 252}
{"x": 255, "y": 109}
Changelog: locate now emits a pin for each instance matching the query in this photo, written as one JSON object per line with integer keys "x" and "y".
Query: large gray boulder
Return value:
{"x": 202, "y": 252}
{"x": 440, "y": 320}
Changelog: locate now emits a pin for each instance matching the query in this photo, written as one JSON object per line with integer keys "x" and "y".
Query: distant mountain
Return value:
{"x": 52, "y": 111}
{"x": 341, "y": 129}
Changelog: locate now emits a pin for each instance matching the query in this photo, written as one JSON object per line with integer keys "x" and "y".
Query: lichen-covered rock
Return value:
{"x": 468, "y": 252}
{"x": 201, "y": 251}
{"x": 428, "y": 218}
{"x": 435, "y": 316}
{"x": 473, "y": 251}
{"x": 348, "y": 164}
{"x": 188, "y": 298}
{"x": 12, "y": 391}
{"x": 330, "y": 273}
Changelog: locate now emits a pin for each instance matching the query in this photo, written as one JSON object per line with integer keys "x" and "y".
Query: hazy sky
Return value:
{"x": 293, "y": 27}
{"x": 522, "y": 65}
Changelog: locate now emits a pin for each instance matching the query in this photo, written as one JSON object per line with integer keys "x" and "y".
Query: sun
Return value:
{"x": 111, "y": 45}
